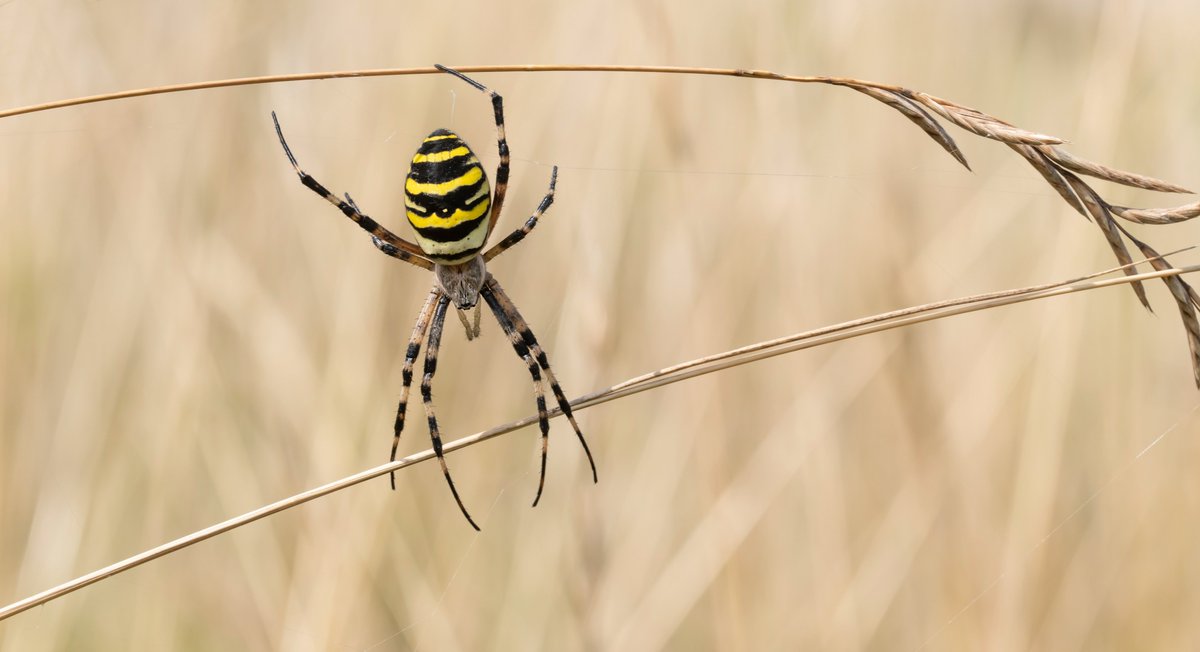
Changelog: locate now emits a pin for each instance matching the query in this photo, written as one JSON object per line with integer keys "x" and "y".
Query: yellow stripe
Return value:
{"x": 449, "y": 250}
{"x": 458, "y": 217}
{"x": 442, "y": 137}
{"x": 409, "y": 203}
{"x": 438, "y": 157}
{"x": 472, "y": 175}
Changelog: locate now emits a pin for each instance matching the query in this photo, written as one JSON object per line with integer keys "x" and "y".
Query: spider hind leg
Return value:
{"x": 410, "y": 358}
{"x": 502, "y": 305}
{"x": 539, "y": 390}
{"x": 431, "y": 356}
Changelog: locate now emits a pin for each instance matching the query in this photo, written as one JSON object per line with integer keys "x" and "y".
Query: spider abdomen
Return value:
{"x": 447, "y": 198}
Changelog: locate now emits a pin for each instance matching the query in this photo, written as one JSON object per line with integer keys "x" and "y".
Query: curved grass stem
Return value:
{"x": 666, "y": 376}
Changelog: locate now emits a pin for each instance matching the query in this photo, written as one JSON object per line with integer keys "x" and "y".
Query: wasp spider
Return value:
{"x": 447, "y": 200}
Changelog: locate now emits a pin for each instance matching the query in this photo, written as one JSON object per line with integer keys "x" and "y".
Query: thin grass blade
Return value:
{"x": 1157, "y": 215}
{"x": 919, "y": 116}
{"x": 1051, "y": 175}
{"x": 1082, "y": 166}
{"x": 1185, "y": 299}
{"x": 1112, "y": 233}
{"x": 980, "y": 123}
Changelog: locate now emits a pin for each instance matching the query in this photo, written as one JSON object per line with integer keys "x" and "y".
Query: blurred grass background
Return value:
{"x": 187, "y": 333}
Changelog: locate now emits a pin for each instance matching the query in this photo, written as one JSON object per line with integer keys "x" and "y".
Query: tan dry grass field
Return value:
{"x": 186, "y": 333}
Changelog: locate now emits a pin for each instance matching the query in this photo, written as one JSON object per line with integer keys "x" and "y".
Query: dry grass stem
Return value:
{"x": 1057, "y": 166}
{"x": 666, "y": 376}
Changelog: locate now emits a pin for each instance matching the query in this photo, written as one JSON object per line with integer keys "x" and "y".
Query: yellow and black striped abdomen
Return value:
{"x": 446, "y": 198}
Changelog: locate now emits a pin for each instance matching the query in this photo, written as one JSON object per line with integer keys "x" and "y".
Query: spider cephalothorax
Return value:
{"x": 462, "y": 281}
{"x": 453, "y": 211}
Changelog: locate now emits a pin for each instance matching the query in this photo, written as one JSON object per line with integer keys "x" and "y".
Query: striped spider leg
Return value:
{"x": 452, "y": 211}
{"x": 527, "y": 347}
{"x": 386, "y": 241}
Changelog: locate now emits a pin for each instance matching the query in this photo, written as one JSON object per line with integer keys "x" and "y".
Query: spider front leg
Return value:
{"x": 431, "y": 355}
{"x": 519, "y": 235}
{"x": 501, "y": 186}
{"x": 410, "y": 358}
{"x": 387, "y": 242}
{"x": 386, "y": 247}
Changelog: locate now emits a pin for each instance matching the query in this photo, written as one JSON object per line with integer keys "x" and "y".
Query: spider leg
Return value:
{"x": 386, "y": 247}
{"x": 501, "y": 186}
{"x": 410, "y": 358}
{"x": 387, "y": 242}
{"x": 492, "y": 291}
{"x": 539, "y": 390}
{"x": 431, "y": 354}
{"x": 519, "y": 235}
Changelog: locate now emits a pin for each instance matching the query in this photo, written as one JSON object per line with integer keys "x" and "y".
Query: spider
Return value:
{"x": 447, "y": 201}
